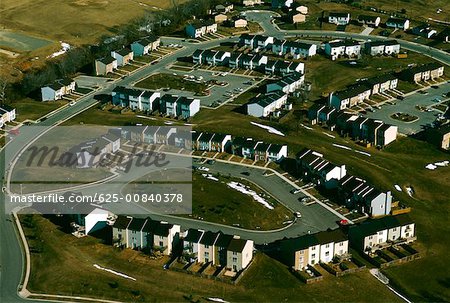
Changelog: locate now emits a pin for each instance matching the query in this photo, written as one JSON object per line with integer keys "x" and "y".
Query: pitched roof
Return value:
{"x": 209, "y": 238}
{"x": 157, "y": 228}
{"x": 107, "y": 60}
{"x": 237, "y": 245}
{"x": 373, "y": 226}
{"x": 122, "y": 222}
{"x": 223, "y": 240}
{"x": 124, "y": 51}
{"x": 267, "y": 99}
{"x": 367, "y": 17}
{"x": 330, "y": 236}
{"x": 338, "y": 14}
{"x": 137, "y": 224}
{"x": 193, "y": 235}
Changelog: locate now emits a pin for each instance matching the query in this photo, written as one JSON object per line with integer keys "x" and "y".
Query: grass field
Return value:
{"x": 327, "y": 76}
{"x": 76, "y": 21}
{"x": 29, "y": 109}
{"x": 62, "y": 264}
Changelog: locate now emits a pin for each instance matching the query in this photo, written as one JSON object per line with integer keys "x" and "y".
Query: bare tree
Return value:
{"x": 3, "y": 85}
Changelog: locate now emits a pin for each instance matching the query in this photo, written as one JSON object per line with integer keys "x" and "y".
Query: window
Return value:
{"x": 161, "y": 243}
{"x": 119, "y": 230}
{"x": 234, "y": 259}
{"x": 313, "y": 256}
{"x": 313, "y": 248}
{"x": 327, "y": 246}
{"x": 206, "y": 254}
{"x": 206, "y": 246}
{"x": 234, "y": 253}
{"x": 161, "y": 237}
{"x": 370, "y": 237}
{"x": 394, "y": 229}
{"x": 341, "y": 244}
{"x": 327, "y": 254}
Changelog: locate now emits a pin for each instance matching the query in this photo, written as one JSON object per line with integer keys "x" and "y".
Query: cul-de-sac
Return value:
{"x": 225, "y": 151}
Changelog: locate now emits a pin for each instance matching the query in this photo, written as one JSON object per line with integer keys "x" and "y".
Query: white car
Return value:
{"x": 298, "y": 214}
{"x": 202, "y": 168}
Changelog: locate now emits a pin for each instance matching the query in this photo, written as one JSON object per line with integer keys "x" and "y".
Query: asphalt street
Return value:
{"x": 408, "y": 105}
{"x": 11, "y": 256}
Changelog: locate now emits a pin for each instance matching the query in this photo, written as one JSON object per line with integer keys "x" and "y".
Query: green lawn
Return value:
{"x": 62, "y": 264}
{"x": 159, "y": 81}
{"x": 29, "y": 109}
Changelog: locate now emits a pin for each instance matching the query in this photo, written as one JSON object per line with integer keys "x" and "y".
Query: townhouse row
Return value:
{"x": 7, "y": 114}
{"x": 125, "y": 55}
{"x": 218, "y": 248}
{"x": 204, "y": 141}
{"x": 93, "y": 152}
{"x": 344, "y": 18}
{"x": 57, "y": 89}
{"x": 239, "y": 146}
{"x": 357, "y": 93}
{"x": 352, "y": 49}
{"x": 235, "y": 253}
{"x": 195, "y": 245}
{"x": 247, "y": 61}
{"x": 199, "y": 28}
{"x": 354, "y": 192}
{"x": 374, "y": 132}
{"x": 150, "y": 101}
{"x": 279, "y": 47}
{"x": 327, "y": 246}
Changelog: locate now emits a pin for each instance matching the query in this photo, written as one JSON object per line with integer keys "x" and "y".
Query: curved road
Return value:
{"x": 11, "y": 255}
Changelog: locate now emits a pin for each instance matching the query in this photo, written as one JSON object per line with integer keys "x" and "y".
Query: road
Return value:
{"x": 11, "y": 257}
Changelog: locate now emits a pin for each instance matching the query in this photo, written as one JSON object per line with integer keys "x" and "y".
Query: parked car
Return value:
{"x": 203, "y": 168}
{"x": 399, "y": 97}
{"x": 434, "y": 86}
{"x": 295, "y": 191}
{"x": 245, "y": 173}
{"x": 298, "y": 214}
{"x": 211, "y": 162}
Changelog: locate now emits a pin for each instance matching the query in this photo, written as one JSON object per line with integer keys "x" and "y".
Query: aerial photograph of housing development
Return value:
{"x": 225, "y": 151}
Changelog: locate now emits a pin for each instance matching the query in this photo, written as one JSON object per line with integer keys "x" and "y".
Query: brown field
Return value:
{"x": 74, "y": 21}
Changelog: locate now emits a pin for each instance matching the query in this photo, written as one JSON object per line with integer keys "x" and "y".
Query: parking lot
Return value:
{"x": 236, "y": 85}
{"x": 426, "y": 114}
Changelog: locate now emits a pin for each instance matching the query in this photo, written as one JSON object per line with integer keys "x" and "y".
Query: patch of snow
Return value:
{"x": 329, "y": 135}
{"x": 114, "y": 272}
{"x": 431, "y": 166}
{"x": 210, "y": 177}
{"x": 268, "y": 128}
{"x": 441, "y": 164}
{"x": 241, "y": 188}
{"x": 397, "y": 187}
{"x": 64, "y": 48}
{"x": 342, "y": 146}
{"x": 217, "y": 300}
{"x": 410, "y": 191}
{"x": 363, "y": 153}
{"x": 307, "y": 127}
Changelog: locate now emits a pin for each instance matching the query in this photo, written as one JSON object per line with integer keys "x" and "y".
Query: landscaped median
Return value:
{"x": 230, "y": 201}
